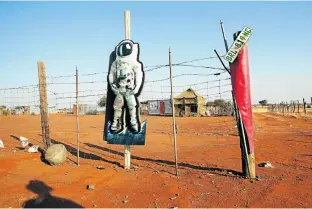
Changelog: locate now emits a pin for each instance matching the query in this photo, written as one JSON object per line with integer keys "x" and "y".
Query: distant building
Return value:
{"x": 85, "y": 109}
{"x": 21, "y": 110}
{"x": 60, "y": 111}
{"x": 189, "y": 103}
{"x": 34, "y": 109}
{"x": 144, "y": 108}
{"x": 159, "y": 107}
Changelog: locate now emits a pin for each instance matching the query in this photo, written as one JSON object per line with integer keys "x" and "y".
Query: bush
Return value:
{"x": 6, "y": 112}
{"x": 92, "y": 112}
{"x": 102, "y": 102}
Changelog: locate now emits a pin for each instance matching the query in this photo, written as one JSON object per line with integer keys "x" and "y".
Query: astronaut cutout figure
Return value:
{"x": 126, "y": 79}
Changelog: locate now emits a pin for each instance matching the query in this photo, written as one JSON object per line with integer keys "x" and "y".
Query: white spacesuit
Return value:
{"x": 125, "y": 80}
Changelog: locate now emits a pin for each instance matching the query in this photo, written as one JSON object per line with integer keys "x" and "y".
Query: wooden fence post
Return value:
{"x": 77, "y": 117}
{"x": 45, "y": 130}
{"x": 304, "y": 107}
{"x": 127, "y": 36}
{"x": 173, "y": 116}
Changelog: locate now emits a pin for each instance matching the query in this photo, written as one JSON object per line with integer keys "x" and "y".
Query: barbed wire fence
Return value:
{"x": 294, "y": 107}
{"x": 210, "y": 82}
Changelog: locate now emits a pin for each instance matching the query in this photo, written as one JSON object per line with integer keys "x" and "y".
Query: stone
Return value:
{"x": 100, "y": 167}
{"x": 266, "y": 165}
{"x": 125, "y": 201}
{"x": 90, "y": 187}
{"x": 56, "y": 154}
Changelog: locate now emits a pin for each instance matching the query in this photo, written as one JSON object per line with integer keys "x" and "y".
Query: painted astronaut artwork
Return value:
{"x": 125, "y": 83}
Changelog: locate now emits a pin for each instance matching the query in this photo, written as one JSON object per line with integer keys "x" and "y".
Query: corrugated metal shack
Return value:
{"x": 159, "y": 107}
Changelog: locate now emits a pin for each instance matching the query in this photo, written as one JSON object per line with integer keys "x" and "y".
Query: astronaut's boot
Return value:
{"x": 118, "y": 104}
{"x": 133, "y": 120}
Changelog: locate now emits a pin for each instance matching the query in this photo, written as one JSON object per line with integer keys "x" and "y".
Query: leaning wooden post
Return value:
{"x": 127, "y": 36}
{"x": 298, "y": 106}
{"x": 43, "y": 105}
{"x": 77, "y": 116}
{"x": 240, "y": 76}
{"x": 173, "y": 117}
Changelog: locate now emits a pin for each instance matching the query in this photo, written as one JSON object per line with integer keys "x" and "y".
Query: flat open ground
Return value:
{"x": 208, "y": 155}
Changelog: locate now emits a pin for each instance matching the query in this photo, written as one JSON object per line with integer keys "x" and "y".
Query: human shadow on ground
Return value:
{"x": 45, "y": 199}
{"x": 166, "y": 162}
{"x": 41, "y": 151}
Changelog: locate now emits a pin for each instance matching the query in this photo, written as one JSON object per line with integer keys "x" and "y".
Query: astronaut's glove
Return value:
{"x": 115, "y": 89}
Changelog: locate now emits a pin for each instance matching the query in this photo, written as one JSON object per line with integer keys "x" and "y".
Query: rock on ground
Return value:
{"x": 56, "y": 154}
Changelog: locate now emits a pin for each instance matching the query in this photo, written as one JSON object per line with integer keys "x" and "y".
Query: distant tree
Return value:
{"x": 263, "y": 102}
{"x": 221, "y": 103}
{"x": 209, "y": 104}
{"x": 102, "y": 102}
{"x": 2, "y": 107}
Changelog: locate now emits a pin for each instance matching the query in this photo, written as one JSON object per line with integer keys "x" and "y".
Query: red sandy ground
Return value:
{"x": 208, "y": 155}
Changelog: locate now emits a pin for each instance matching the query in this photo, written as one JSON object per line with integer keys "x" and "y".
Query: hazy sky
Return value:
{"x": 69, "y": 34}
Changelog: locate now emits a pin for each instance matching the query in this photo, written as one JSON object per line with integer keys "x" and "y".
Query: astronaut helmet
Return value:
{"x": 125, "y": 49}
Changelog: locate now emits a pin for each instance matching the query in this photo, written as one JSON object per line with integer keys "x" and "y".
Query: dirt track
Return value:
{"x": 208, "y": 155}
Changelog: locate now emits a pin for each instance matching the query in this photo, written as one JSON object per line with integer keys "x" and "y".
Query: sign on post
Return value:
{"x": 238, "y": 44}
{"x": 125, "y": 81}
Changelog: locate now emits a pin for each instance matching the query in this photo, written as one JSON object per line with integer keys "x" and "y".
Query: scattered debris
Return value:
{"x": 155, "y": 171}
{"x": 135, "y": 167}
{"x": 212, "y": 182}
{"x": 90, "y": 187}
{"x": 33, "y": 148}
{"x": 125, "y": 201}
{"x": 201, "y": 177}
{"x": 205, "y": 193}
{"x": 266, "y": 165}
{"x": 172, "y": 198}
{"x": 126, "y": 196}
{"x": 195, "y": 183}
{"x": 24, "y": 141}
{"x": 1, "y": 144}
{"x": 299, "y": 178}
{"x": 230, "y": 173}
{"x": 100, "y": 167}
{"x": 244, "y": 189}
